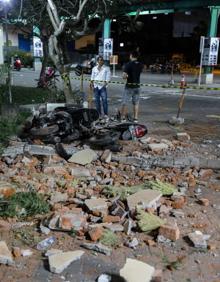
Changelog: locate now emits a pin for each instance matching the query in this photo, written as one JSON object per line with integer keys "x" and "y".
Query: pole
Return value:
{"x": 201, "y": 51}
{"x": 7, "y": 56}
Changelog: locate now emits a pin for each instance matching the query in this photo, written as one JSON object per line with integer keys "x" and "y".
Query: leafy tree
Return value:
{"x": 59, "y": 20}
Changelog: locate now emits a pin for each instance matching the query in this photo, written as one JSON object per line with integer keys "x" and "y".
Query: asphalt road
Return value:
{"x": 157, "y": 105}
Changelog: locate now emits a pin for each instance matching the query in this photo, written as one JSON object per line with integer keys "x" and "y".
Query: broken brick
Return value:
{"x": 111, "y": 219}
{"x": 171, "y": 232}
{"x": 204, "y": 202}
{"x": 96, "y": 233}
{"x": 205, "y": 174}
{"x": 178, "y": 202}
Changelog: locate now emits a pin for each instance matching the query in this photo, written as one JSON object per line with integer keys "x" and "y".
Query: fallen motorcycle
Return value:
{"x": 67, "y": 124}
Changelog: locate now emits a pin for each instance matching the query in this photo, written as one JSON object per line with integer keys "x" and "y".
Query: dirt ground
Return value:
{"x": 179, "y": 260}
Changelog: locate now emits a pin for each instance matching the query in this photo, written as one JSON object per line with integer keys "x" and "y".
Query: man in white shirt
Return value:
{"x": 100, "y": 78}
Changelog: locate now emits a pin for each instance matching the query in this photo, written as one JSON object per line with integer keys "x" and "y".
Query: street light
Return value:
{"x": 7, "y": 49}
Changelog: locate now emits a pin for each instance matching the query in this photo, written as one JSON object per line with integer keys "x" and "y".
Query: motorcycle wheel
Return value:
{"x": 105, "y": 139}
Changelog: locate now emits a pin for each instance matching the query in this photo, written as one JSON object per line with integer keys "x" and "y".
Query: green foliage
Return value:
{"x": 9, "y": 126}
{"x": 109, "y": 239}
{"x": 123, "y": 192}
{"x": 27, "y": 236}
{"x": 23, "y": 204}
{"x": 148, "y": 222}
{"x": 166, "y": 189}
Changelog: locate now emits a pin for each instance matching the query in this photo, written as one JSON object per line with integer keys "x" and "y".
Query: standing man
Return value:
{"x": 100, "y": 78}
{"x": 131, "y": 72}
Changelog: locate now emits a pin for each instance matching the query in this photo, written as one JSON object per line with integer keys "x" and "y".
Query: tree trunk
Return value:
{"x": 45, "y": 40}
{"x": 65, "y": 75}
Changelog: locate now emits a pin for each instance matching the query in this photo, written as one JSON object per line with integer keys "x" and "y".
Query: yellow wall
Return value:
{"x": 84, "y": 41}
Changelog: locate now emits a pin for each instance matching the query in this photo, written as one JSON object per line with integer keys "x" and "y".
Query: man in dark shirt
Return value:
{"x": 131, "y": 72}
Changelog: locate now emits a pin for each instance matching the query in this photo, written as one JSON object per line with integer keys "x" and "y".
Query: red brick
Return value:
{"x": 178, "y": 202}
{"x": 111, "y": 219}
{"x": 204, "y": 202}
{"x": 170, "y": 232}
{"x": 96, "y": 233}
{"x": 205, "y": 174}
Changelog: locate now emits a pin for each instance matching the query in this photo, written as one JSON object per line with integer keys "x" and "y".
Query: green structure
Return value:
{"x": 175, "y": 6}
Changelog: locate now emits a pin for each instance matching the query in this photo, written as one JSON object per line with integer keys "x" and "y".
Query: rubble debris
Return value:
{"x": 106, "y": 156}
{"x": 7, "y": 189}
{"x": 166, "y": 189}
{"x": 204, "y": 202}
{"x": 132, "y": 243}
{"x": 143, "y": 199}
{"x": 46, "y": 243}
{"x": 100, "y": 248}
{"x": 198, "y": 239}
{"x": 183, "y": 136}
{"x": 178, "y": 202}
{"x": 205, "y": 174}
{"x": 148, "y": 222}
{"x": 83, "y": 157}
{"x": 76, "y": 220}
{"x": 124, "y": 191}
{"x": 115, "y": 227}
{"x": 96, "y": 233}
{"x": 4, "y": 225}
{"x": 169, "y": 231}
{"x": 5, "y": 254}
{"x": 128, "y": 225}
{"x": 158, "y": 147}
{"x": 13, "y": 151}
{"x": 98, "y": 206}
{"x": 58, "y": 262}
{"x": 80, "y": 172}
{"x": 57, "y": 197}
{"x": 133, "y": 267}
{"x": 44, "y": 229}
{"x": 26, "y": 253}
{"x": 16, "y": 251}
{"x": 157, "y": 276}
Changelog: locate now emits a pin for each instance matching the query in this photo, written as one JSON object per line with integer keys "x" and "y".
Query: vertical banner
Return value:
{"x": 210, "y": 52}
{"x": 108, "y": 48}
{"x": 37, "y": 46}
{"x": 101, "y": 47}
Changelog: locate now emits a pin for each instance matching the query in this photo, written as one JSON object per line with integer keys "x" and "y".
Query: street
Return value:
{"x": 158, "y": 104}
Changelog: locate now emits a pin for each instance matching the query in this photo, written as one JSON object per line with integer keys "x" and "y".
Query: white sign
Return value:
{"x": 108, "y": 48}
{"x": 100, "y": 46}
{"x": 210, "y": 53}
{"x": 38, "y": 47}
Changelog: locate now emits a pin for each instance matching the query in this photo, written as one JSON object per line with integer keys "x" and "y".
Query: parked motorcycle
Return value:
{"x": 67, "y": 124}
{"x": 49, "y": 79}
{"x": 17, "y": 64}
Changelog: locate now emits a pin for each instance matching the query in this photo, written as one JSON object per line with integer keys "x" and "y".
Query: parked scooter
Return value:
{"x": 17, "y": 64}
{"x": 49, "y": 79}
{"x": 66, "y": 124}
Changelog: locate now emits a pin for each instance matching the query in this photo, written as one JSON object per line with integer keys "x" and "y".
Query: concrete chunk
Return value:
{"x": 58, "y": 262}
{"x": 83, "y": 157}
{"x": 157, "y": 147}
{"x": 98, "y": 248}
{"x": 135, "y": 270}
{"x": 143, "y": 199}
{"x": 97, "y": 205}
{"x": 80, "y": 172}
{"x": 5, "y": 254}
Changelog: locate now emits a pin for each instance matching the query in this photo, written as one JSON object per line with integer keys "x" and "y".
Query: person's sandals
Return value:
{"x": 135, "y": 120}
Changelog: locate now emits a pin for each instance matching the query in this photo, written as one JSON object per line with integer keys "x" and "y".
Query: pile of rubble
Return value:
{"x": 109, "y": 200}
